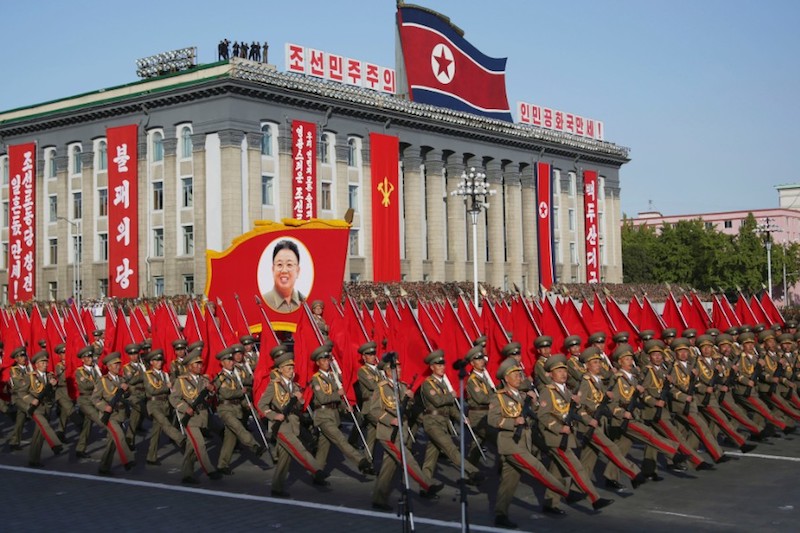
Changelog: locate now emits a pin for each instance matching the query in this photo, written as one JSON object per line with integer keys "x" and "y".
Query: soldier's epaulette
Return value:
{"x": 587, "y": 376}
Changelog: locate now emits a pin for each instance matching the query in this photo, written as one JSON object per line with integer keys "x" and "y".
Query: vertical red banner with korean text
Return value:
{"x": 21, "y": 222}
{"x": 384, "y": 163}
{"x": 304, "y": 173}
{"x": 544, "y": 225}
{"x": 590, "y": 219}
{"x": 123, "y": 212}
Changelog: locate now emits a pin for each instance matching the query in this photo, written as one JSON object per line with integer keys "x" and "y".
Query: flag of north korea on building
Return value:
{"x": 444, "y": 70}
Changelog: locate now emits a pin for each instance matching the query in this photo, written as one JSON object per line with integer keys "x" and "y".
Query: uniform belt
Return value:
{"x": 436, "y": 412}
{"x": 479, "y": 408}
{"x": 159, "y": 397}
{"x": 231, "y": 402}
{"x": 330, "y": 405}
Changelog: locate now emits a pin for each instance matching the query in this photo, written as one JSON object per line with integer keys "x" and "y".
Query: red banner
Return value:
{"x": 281, "y": 265}
{"x": 590, "y": 217}
{"x": 304, "y": 182}
{"x": 384, "y": 161}
{"x": 21, "y": 223}
{"x": 544, "y": 228}
{"x": 123, "y": 212}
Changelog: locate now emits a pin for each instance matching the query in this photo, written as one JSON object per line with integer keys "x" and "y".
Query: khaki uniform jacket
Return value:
{"x": 681, "y": 380}
{"x": 552, "y": 414}
{"x": 104, "y": 392}
{"x": 504, "y": 408}
{"x": 275, "y": 399}
{"x": 36, "y": 386}
{"x": 184, "y": 392}
{"x": 230, "y": 393}
{"x": 326, "y": 399}
{"x": 383, "y": 408}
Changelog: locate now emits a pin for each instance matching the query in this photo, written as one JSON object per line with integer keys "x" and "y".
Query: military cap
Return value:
{"x": 60, "y": 348}
{"x": 790, "y": 324}
{"x": 597, "y": 337}
{"x": 724, "y": 338}
{"x": 86, "y": 351}
{"x": 669, "y": 333}
{"x": 195, "y": 345}
{"x": 745, "y": 328}
{"x": 591, "y": 353}
{"x": 155, "y": 355}
{"x": 236, "y": 348}
{"x": 758, "y": 328}
{"x": 316, "y": 303}
{"x": 247, "y": 339}
{"x": 382, "y": 365}
{"x": 483, "y": 339}
{"x": 776, "y": 327}
{"x": 785, "y": 338}
{"x": 132, "y": 348}
{"x": 797, "y": 335}
{"x": 623, "y": 350}
{"x": 506, "y": 367}
{"x": 98, "y": 333}
{"x": 747, "y": 336}
{"x": 704, "y": 339}
{"x": 714, "y": 332}
{"x": 543, "y": 341}
{"x": 96, "y": 349}
{"x": 39, "y": 356}
{"x": 329, "y": 344}
{"x": 42, "y": 343}
{"x": 733, "y": 330}
{"x": 765, "y": 334}
{"x": 113, "y": 357}
{"x": 689, "y": 333}
{"x": 646, "y": 334}
{"x": 654, "y": 345}
{"x": 224, "y": 354}
{"x": 512, "y": 348}
{"x": 278, "y": 350}
{"x": 476, "y": 352}
{"x": 195, "y": 356}
{"x": 286, "y": 358}
{"x": 19, "y": 351}
{"x": 572, "y": 340}
{"x": 367, "y": 348}
{"x": 621, "y": 337}
{"x": 681, "y": 342}
{"x": 436, "y": 357}
{"x": 146, "y": 345}
{"x": 179, "y": 344}
{"x": 319, "y": 353}
{"x": 555, "y": 361}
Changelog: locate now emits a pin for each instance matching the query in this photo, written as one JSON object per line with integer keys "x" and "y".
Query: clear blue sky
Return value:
{"x": 704, "y": 92}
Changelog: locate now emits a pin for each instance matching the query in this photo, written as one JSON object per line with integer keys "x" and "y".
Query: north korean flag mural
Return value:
{"x": 445, "y": 70}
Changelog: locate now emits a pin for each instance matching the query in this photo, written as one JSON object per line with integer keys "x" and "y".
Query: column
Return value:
{"x": 527, "y": 213}
{"x": 457, "y": 226}
{"x": 198, "y": 209}
{"x": 87, "y": 235}
{"x": 173, "y": 232}
{"x": 495, "y": 236}
{"x": 437, "y": 237}
{"x": 231, "y": 195}
{"x": 413, "y": 212}
{"x": 513, "y": 224}
{"x": 251, "y": 184}
{"x": 340, "y": 174}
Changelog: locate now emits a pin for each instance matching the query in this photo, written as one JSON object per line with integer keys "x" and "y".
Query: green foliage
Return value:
{"x": 691, "y": 253}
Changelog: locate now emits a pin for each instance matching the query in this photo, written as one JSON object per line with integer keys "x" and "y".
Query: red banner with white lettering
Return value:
{"x": 21, "y": 223}
{"x": 544, "y": 226}
{"x": 304, "y": 173}
{"x": 384, "y": 162}
{"x": 123, "y": 212}
{"x": 590, "y": 219}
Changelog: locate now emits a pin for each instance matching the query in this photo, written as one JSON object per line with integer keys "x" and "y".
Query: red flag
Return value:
{"x": 454, "y": 339}
{"x": 693, "y": 318}
{"x": 497, "y": 336}
{"x": 123, "y": 337}
{"x": 718, "y": 317}
{"x": 743, "y": 311}
{"x": 384, "y": 158}
{"x": 75, "y": 342}
{"x": 544, "y": 225}
{"x": 758, "y": 311}
{"x": 261, "y": 372}
{"x": 771, "y": 309}
{"x": 407, "y": 339}
{"x": 214, "y": 343}
{"x": 195, "y": 327}
{"x": 468, "y": 318}
{"x": 573, "y": 321}
{"x": 306, "y": 339}
{"x": 635, "y": 309}
{"x": 622, "y": 321}
{"x": 525, "y": 332}
{"x": 139, "y": 324}
{"x": 552, "y": 325}
{"x": 650, "y": 319}
{"x": 431, "y": 328}
{"x": 672, "y": 315}
{"x": 37, "y": 331}
{"x": 727, "y": 308}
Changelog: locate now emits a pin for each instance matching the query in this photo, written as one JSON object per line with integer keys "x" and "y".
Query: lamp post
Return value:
{"x": 475, "y": 191}
{"x": 767, "y": 228}
{"x": 77, "y": 252}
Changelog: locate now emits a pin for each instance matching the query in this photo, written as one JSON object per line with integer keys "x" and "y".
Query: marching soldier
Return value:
{"x": 788, "y": 383}
{"x": 543, "y": 345}
{"x": 772, "y": 375}
{"x": 368, "y": 378}
{"x": 327, "y": 403}
{"x": 157, "y": 391}
{"x": 177, "y": 367}
{"x": 18, "y": 380}
{"x": 514, "y": 351}
{"x": 392, "y": 419}
{"x": 108, "y": 397}
{"x": 250, "y": 352}
{"x": 39, "y": 398}
{"x": 97, "y": 343}
{"x": 440, "y": 410}
{"x": 598, "y": 340}
{"x": 282, "y": 403}
{"x": 480, "y": 391}
{"x": 189, "y": 397}
{"x": 133, "y": 373}
{"x": 317, "y": 307}
{"x": 572, "y": 349}
{"x": 85, "y": 379}
{"x": 725, "y": 395}
{"x": 61, "y": 397}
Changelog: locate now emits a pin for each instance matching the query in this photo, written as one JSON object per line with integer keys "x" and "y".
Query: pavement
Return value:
{"x": 756, "y": 491}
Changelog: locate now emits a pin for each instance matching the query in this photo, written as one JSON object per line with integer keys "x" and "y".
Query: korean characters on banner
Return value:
{"x": 123, "y": 212}
{"x": 592, "y": 236}
{"x": 21, "y": 223}
{"x": 552, "y": 119}
{"x": 332, "y": 67}
{"x": 304, "y": 173}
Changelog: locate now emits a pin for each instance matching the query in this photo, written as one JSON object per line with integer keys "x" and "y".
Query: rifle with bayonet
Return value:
{"x": 601, "y": 412}
{"x": 572, "y": 416}
{"x": 690, "y": 391}
{"x": 114, "y": 400}
{"x": 197, "y": 402}
{"x": 47, "y": 391}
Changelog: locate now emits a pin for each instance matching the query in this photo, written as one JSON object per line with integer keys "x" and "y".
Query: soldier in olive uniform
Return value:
{"x": 368, "y": 378}
{"x": 480, "y": 391}
{"x": 772, "y": 375}
{"x": 572, "y": 350}
{"x": 250, "y": 351}
{"x": 385, "y": 410}
{"x": 18, "y": 381}
{"x": 787, "y": 386}
{"x": 109, "y": 397}
{"x": 85, "y": 379}
{"x": 65, "y": 403}
{"x": 514, "y": 442}
{"x": 39, "y": 400}
{"x": 544, "y": 346}
{"x": 133, "y": 373}
{"x": 327, "y": 402}
{"x": 513, "y": 350}
{"x": 157, "y": 391}
{"x": 191, "y": 405}
{"x": 725, "y": 395}
{"x": 177, "y": 366}
{"x": 598, "y": 340}
{"x": 440, "y": 411}
{"x": 282, "y": 403}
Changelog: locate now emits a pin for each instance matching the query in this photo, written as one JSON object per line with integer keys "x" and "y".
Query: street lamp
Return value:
{"x": 767, "y": 228}
{"x": 473, "y": 187}
{"x": 77, "y": 252}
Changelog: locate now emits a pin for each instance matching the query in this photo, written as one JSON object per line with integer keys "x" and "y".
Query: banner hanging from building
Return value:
{"x": 123, "y": 211}
{"x": 304, "y": 173}
{"x": 591, "y": 225}
{"x": 384, "y": 162}
{"x": 277, "y": 266}
{"x": 445, "y": 70}
{"x": 21, "y": 223}
{"x": 544, "y": 226}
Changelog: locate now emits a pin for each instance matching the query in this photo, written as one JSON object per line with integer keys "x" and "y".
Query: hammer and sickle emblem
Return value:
{"x": 386, "y": 189}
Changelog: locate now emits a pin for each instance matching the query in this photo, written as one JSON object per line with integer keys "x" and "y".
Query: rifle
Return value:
{"x": 255, "y": 416}
{"x": 690, "y": 390}
{"x": 755, "y": 377}
{"x": 729, "y": 382}
{"x": 665, "y": 396}
{"x": 400, "y": 411}
{"x": 536, "y": 435}
{"x": 779, "y": 372}
{"x": 113, "y": 402}
{"x": 714, "y": 382}
{"x": 201, "y": 398}
{"x": 572, "y": 415}
{"x": 601, "y": 412}
{"x": 276, "y": 426}
{"x": 633, "y": 404}
{"x": 48, "y": 390}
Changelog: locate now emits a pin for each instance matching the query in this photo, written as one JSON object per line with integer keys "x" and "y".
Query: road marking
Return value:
{"x": 251, "y": 497}
{"x": 764, "y": 456}
{"x": 680, "y": 514}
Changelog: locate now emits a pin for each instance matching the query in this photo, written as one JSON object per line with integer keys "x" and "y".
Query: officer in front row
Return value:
{"x": 39, "y": 399}
{"x": 157, "y": 390}
{"x": 109, "y": 396}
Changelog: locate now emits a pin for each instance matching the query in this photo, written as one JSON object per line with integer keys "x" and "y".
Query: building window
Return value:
{"x": 102, "y": 243}
{"x": 554, "y": 214}
{"x": 573, "y": 254}
{"x": 4, "y": 164}
{"x": 186, "y": 142}
{"x": 352, "y": 197}
{"x": 158, "y": 286}
{"x": 188, "y": 240}
{"x": 53, "y": 211}
{"x": 556, "y": 182}
{"x": 102, "y": 202}
{"x": 52, "y": 290}
{"x": 355, "y": 276}
{"x": 266, "y": 190}
{"x": 77, "y": 205}
{"x": 158, "y": 242}
{"x": 557, "y": 247}
{"x": 352, "y": 154}
{"x": 709, "y": 225}
{"x": 325, "y": 195}
{"x": 103, "y": 287}
{"x": 53, "y": 259}
{"x": 5, "y": 214}
{"x": 77, "y": 248}
{"x": 158, "y": 195}
{"x": 187, "y": 192}
{"x": 77, "y": 164}
{"x": 354, "y": 248}
{"x": 158, "y": 146}
{"x": 266, "y": 140}
{"x": 4, "y": 258}
{"x": 323, "y": 148}
{"x": 572, "y": 184}
{"x": 571, "y": 221}
{"x": 51, "y": 164}
{"x": 728, "y": 224}
{"x": 188, "y": 284}
{"x": 102, "y": 155}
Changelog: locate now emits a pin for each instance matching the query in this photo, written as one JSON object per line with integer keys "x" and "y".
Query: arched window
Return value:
{"x": 266, "y": 140}
{"x": 102, "y": 156}
{"x": 324, "y": 143}
{"x": 186, "y": 142}
{"x": 352, "y": 152}
{"x": 77, "y": 164}
{"x": 158, "y": 146}
{"x": 51, "y": 164}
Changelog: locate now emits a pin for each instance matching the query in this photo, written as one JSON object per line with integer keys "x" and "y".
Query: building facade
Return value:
{"x": 215, "y": 156}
